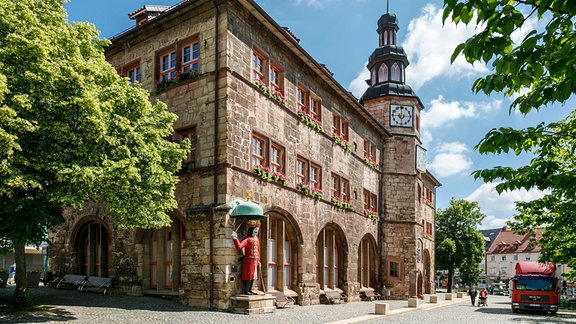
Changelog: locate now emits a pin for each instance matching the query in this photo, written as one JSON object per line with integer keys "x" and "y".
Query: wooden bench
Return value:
{"x": 334, "y": 297}
{"x": 69, "y": 281}
{"x": 281, "y": 299}
{"x": 369, "y": 295}
{"x": 97, "y": 284}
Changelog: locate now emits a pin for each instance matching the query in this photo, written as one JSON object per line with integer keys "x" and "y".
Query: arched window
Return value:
{"x": 162, "y": 242}
{"x": 366, "y": 262}
{"x": 93, "y": 249}
{"x": 373, "y": 76}
{"x": 278, "y": 253}
{"x": 164, "y": 248}
{"x": 383, "y": 73}
{"x": 395, "y": 75}
{"x": 329, "y": 260}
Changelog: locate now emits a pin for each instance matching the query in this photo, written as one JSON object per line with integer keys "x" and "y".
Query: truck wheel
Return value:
{"x": 553, "y": 313}
{"x": 514, "y": 310}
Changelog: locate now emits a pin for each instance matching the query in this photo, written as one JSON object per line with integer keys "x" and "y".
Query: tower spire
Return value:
{"x": 387, "y": 6}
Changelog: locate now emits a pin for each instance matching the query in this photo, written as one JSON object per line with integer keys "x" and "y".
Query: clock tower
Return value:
{"x": 408, "y": 211}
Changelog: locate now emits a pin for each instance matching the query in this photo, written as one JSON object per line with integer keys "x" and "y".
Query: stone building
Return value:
{"x": 349, "y": 203}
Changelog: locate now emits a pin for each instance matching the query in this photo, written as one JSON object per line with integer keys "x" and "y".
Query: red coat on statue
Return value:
{"x": 251, "y": 246}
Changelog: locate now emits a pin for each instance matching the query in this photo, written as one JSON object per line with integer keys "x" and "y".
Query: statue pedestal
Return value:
{"x": 253, "y": 304}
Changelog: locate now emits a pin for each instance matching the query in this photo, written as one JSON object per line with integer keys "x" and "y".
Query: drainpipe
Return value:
{"x": 216, "y": 139}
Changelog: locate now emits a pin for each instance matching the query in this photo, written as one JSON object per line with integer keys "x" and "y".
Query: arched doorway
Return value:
{"x": 428, "y": 275}
{"x": 367, "y": 262}
{"x": 280, "y": 239}
{"x": 93, "y": 247}
{"x": 162, "y": 257}
{"x": 331, "y": 258}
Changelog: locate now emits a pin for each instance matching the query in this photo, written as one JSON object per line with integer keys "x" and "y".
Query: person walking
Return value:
{"x": 11, "y": 274}
{"x": 472, "y": 292}
{"x": 483, "y": 297}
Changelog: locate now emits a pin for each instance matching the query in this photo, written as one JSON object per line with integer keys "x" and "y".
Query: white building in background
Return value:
{"x": 507, "y": 249}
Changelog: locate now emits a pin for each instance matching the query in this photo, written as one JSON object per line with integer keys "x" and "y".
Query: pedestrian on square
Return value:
{"x": 11, "y": 274}
{"x": 472, "y": 292}
{"x": 483, "y": 297}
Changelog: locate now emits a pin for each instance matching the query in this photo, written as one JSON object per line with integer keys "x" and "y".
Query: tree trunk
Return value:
{"x": 450, "y": 277}
{"x": 21, "y": 297}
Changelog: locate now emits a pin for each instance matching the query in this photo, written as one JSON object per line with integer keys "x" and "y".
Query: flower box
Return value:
{"x": 272, "y": 94}
{"x": 312, "y": 192}
{"x": 165, "y": 84}
{"x": 371, "y": 214}
{"x": 341, "y": 203}
{"x": 371, "y": 163}
{"x": 342, "y": 143}
{"x": 268, "y": 175}
{"x": 427, "y": 202}
{"x": 309, "y": 120}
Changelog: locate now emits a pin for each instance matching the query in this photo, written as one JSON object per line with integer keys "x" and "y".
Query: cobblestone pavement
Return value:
{"x": 82, "y": 307}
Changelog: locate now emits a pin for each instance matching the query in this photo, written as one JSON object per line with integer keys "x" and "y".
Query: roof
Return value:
{"x": 489, "y": 236}
{"x": 509, "y": 241}
{"x": 148, "y": 9}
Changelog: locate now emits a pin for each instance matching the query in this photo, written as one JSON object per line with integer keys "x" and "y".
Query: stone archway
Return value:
{"x": 428, "y": 273}
{"x": 367, "y": 276}
{"x": 280, "y": 255}
{"x": 332, "y": 257}
{"x": 92, "y": 245}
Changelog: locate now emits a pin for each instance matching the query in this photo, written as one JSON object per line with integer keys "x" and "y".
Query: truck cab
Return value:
{"x": 535, "y": 288}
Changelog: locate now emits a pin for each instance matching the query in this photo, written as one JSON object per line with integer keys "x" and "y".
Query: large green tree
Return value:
{"x": 539, "y": 71}
{"x": 459, "y": 246}
{"x": 72, "y": 130}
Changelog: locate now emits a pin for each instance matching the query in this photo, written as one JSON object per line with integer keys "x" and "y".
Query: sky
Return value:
{"x": 342, "y": 34}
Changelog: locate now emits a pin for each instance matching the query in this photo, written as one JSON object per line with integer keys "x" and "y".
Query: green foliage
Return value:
{"x": 542, "y": 68}
{"x": 72, "y": 130}
{"x": 460, "y": 245}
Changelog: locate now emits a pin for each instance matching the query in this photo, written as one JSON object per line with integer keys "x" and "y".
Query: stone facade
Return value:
{"x": 309, "y": 244}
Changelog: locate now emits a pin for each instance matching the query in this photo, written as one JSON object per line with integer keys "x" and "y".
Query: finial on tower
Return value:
{"x": 387, "y": 6}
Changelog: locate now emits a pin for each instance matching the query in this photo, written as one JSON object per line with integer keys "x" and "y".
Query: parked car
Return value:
{"x": 499, "y": 289}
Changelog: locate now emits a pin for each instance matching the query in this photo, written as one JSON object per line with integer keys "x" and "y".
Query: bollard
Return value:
{"x": 459, "y": 295}
{"x": 381, "y": 308}
{"x": 413, "y": 302}
{"x": 433, "y": 299}
{"x": 448, "y": 297}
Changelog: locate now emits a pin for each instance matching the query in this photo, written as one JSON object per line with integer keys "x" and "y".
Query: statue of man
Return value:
{"x": 251, "y": 259}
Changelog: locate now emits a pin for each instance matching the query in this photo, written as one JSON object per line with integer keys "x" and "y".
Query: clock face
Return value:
{"x": 401, "y": 115}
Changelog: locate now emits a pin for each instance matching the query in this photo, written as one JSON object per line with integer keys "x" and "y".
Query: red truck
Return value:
{"x": 535, "y": 287}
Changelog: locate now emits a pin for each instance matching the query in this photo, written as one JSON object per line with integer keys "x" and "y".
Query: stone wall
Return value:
{"x": 210, "y": 265}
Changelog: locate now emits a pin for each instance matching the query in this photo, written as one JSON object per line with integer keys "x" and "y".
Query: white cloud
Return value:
{"x": 442, "y": 113}
{"x": 315, "y": 3}
{"x": 493, "y": 222}
{"x": 491, "y": 202}
{"x": 451, "y": 159}
{"x": 358, "y": 86}
{"x": 429, "y": 45}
